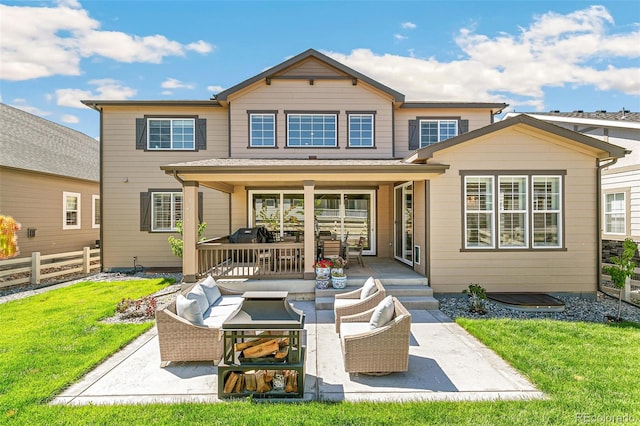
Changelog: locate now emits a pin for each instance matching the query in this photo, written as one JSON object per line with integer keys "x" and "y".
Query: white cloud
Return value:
{"x": 106, "y": 89}
{"x": 215, "y": 89}
{"x": 65, "y": 34}
{"x": 172, "y": 83}
{"x": 71, "y": 119}
{"x": 554, "y": 51}
{"x": 400, "y": 37}
{"x": 408, "y": 26}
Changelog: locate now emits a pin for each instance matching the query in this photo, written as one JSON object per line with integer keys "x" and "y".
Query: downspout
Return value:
{"x": 599, "y": 220}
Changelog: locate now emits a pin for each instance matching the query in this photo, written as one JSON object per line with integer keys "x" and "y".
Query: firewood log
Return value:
{"x": 244, "y": 345}
{"x": 295, "y": 381}
{"x": 268, "y": 375}
{"x": 230, "y": 384}
{"x": 282, "y": 353}
{"x": 239, "y": 384}
{"x": 283, "y": 342}
{"x": 262, "y": 386}
{"x": 290, "y": 379}
{"x": 261, "y": 350}
{"x": 250, "y": 380}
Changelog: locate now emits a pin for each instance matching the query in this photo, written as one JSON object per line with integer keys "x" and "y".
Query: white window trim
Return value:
{"x": 312, "y": 114}
{"x": 171, "y": 119}
{"x": 624, "y": 212}
{"x": 262, "y": 114}
{"x": 495, "y": 223}
{"x": 94, "y": 197}
{"x": 559, "y": 211}
{"x": 501, "y": 210}
{"x": 65, "y": 195}
{"x": 373, "y": 129}
{"x": 173, "y": 212}
{"x": 426, "y": 120}
{"x": 491, "y": 212}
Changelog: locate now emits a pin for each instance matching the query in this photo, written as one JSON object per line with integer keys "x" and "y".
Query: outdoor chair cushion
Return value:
{"x": 197, "y": 294}
{"x": 353, "y": 328}
{"x": 382, "y": 314}
{"x": 189, "y": 309}
{"x": 211, "y": 290}
{"x": 368, "y": 288}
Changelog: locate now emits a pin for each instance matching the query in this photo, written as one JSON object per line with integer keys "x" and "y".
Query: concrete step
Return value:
{"x": 429, "y": 303}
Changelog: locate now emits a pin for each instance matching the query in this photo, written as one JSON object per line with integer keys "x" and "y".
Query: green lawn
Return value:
{"x": 49, "y": 341}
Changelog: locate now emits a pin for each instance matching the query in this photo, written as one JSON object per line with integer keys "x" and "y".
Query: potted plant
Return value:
{"x": 338, "y": 264}
{"x": 322, "y": 282}
{"x": 622, "y": 270}
{"x": 322, "y": 267}
{"x": 338, "y": 279}
{"x": 477, "y": 295}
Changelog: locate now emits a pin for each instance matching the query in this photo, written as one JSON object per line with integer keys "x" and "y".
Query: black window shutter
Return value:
{"x": 414, "y": 135}
{"x": 145, "y": 211}
{"x": 200, "y": 209}
{"x": 463, "y": 126}
{"x": 141, "y": 133}
{"x": 201, "y": 133}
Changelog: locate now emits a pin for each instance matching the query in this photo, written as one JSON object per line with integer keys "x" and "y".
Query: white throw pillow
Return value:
{"x": 382, "y": 314}
{"x": 368, "y": 288}
{"x": 189, "y": 310}
{"x": 197, "y": 293}
{"x": 211, "y": 290}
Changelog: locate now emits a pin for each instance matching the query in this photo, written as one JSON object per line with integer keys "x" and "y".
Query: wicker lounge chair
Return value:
{"x": 352, "y": 303}
{"x": 379, "y": 351}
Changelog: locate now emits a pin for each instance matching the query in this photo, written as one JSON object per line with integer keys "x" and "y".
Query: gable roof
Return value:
{"x": 621, "y": 119}
{"x": 310, "y": 53}
{"x": 29, "y": 142}
{"x": 610, "y": 150}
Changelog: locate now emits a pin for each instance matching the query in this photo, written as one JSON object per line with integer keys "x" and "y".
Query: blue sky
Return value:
{"x": 533, "y": 55}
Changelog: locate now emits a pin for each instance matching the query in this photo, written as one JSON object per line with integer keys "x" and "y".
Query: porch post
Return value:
{"x": 190, "y": 231}
{"x": 309, "y": 230}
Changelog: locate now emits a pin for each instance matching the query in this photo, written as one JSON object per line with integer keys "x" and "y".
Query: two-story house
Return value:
{"x": 49, "y": 183}
{"x": 312, "y": 146}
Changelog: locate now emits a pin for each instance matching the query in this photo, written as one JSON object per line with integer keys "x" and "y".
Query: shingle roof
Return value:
{"x": 32, "y": 143}
{"x": 597, "y": 115}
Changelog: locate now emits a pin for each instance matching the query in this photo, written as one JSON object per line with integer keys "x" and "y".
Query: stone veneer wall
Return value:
{"x": 614, "y": 248}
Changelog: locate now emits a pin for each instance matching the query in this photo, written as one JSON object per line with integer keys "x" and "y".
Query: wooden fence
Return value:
{"x": 251, "y": 260}
{"x": 40, "y": 267}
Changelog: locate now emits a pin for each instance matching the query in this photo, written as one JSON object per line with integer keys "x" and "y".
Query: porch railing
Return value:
{"x": 255, "y": 260}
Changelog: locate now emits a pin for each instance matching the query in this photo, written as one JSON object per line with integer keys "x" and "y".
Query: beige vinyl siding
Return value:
{"x": 312, "y": 67}
{"x": 122, "y": 238}
{"x": 35, "y": 200}
{"x": 573, "y": 270}
{"x": 477, "y": 118}
{"x": 338, "y": 96}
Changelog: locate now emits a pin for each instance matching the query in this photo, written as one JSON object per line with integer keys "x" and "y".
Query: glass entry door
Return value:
{"x": 403, "y": 223}
{"x": 347, "y": 215}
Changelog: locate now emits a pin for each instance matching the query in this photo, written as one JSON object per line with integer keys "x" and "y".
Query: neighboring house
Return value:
{"x": 311, "y": 145}
{"x": 620, "y": 192}
{"x": 49, "y": 183}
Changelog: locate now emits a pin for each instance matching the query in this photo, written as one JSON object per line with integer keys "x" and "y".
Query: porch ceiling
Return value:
{"x": 224, "y": 174}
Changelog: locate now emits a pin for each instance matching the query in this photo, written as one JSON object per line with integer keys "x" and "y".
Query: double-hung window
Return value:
{"x": 171, "y": 133}
{"x": 71, "y": 203}
{"x": 166, "y": 210}
{"x": 361, "y": 130}
{"x": 262, "y": 130}
{"x": 615, "y": 213}
{"x": 527, "y": 212}
{"x": 95, "y": 212}
{"x": 434, "y": 131}
{"x": 312, "y": 130}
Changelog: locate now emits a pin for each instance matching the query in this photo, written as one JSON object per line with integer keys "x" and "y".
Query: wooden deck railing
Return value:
{"x": 222, "y": 259}
{"x": 39, "y": 267}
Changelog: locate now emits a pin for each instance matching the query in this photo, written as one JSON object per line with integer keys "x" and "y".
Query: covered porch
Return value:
{"x": 304, "y": 183}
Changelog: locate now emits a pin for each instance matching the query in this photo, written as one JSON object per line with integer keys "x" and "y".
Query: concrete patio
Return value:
{"x": 445, "y": 363}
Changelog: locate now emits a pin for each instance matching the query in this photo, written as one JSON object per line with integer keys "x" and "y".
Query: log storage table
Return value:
{"x": 263, "y": 353}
